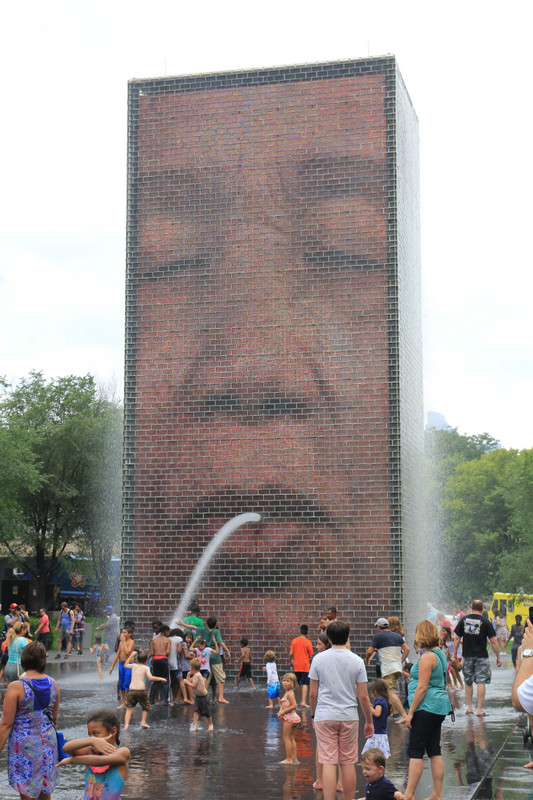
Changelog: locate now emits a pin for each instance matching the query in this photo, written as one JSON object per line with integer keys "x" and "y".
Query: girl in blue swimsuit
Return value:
{"x": 107, "y": 763}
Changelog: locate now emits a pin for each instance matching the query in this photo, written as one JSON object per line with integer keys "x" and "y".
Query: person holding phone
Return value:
{"x": 522, "y": 691}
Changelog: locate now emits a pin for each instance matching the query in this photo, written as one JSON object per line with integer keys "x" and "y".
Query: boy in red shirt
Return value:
{"x": 299, "y": 662}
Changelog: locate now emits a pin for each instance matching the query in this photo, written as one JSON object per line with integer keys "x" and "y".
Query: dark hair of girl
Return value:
{"x": 324, "y": 639}
{"x": 109, "y": 719}
{"x": 381, "y": 689}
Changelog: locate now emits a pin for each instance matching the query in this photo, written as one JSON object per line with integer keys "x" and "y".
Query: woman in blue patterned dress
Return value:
{"x": 30, "y": 705}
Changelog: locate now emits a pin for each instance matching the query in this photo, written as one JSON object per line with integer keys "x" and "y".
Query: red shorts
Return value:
{"x": 336, "y": 741}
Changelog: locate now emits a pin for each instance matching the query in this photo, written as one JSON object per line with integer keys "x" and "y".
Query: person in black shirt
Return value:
{"x": 517, "y": 633}
{"x": 474, "y": 631}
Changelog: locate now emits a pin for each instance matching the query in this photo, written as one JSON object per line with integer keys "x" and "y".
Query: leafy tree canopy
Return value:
{"x": 480, "y": 516}
{"x": 55, "y": 433}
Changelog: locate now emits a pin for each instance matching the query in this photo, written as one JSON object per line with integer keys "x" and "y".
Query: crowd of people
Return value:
{"x": 184, "y": 662}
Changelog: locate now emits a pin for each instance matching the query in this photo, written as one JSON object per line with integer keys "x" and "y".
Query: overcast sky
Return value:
{"x": 467, "y": 66}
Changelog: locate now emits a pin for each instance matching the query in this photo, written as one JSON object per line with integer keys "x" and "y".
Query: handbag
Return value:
{"x": 60, "y": 736}
{"x": 456, "y": 664}
{"x": 450, "y": 713}
{"x": 17, "y": 654}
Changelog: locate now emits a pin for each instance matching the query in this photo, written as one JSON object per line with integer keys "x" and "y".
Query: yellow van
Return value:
{"x": 509, "y": 605}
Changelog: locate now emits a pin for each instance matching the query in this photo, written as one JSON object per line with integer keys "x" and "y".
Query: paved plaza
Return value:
{"x": 240, "y": 760}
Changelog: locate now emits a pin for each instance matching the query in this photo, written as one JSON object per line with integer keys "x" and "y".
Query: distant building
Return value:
{"x": 437, "y": 420}
{"x": 71, "y": 582}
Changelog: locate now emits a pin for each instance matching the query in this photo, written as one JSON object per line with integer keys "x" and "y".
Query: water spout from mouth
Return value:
{"x": 207, "y": 556}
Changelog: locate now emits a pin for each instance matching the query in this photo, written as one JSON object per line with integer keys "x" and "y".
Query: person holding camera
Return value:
{"x": 522, "y": 692}
{"x": 15, "y": 614}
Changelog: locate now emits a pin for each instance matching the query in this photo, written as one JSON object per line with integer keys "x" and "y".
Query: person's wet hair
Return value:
{"x": 109, "y": 719}
{"x": 338, "y": 632}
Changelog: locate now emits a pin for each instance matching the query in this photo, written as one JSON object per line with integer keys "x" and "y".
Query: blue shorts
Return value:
{"x": 302, "y": 678}
{"x": 124, "y": 676}
{"x": 273, "y": 690}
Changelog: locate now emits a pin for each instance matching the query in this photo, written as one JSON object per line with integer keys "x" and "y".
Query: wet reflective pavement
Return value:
{"x": 240, "y": 759}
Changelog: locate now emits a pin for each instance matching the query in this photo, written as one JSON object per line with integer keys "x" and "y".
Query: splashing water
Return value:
{"x": 207, "y": 556}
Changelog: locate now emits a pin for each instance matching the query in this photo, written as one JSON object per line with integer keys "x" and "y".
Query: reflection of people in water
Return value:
{"x": 262, "y": 344}
{"x": 478, "y": 756}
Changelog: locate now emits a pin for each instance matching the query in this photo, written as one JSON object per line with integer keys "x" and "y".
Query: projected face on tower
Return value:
{"x": 262, "y": 337}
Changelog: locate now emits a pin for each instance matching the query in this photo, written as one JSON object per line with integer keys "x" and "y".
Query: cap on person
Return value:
{"x": 13, "y": 605}
{"x": 381, "y": 623}
{"x": 108, "y": 608}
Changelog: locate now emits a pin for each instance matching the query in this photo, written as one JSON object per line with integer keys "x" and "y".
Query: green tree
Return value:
{"x": 53, "y": 423}
{"x": 515, "y": 574}
{"x": 445, "y": 451}
{"x": 18, "y": 473}
{"x": 476, "y": 516}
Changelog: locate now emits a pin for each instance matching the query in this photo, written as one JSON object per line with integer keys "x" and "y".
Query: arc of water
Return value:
{"x": 207, "y": 556}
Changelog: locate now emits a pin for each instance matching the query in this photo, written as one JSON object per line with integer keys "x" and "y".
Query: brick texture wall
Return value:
{"x": 273, "y": 358}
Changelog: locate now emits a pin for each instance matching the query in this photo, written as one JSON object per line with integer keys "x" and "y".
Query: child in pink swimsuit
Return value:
{"x": 289, "y": 717}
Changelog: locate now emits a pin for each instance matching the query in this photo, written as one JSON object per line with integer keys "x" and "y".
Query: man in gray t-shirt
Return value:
{"x": 338, "y": 680}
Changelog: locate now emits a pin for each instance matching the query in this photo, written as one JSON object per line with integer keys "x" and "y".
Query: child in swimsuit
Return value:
{"x": 107, "y": 763}
{"x": 289, "y": 717}
{"x": 272, "y": 678}
{"x": 98, "y": 650}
